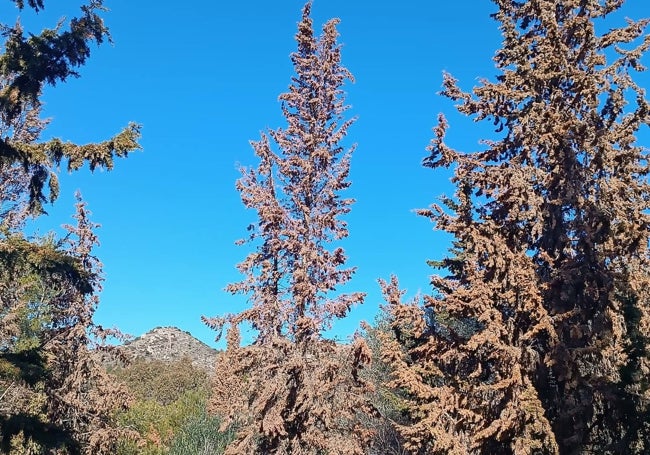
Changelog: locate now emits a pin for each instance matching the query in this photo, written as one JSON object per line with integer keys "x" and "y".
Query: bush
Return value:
{"x": 163, "y": 382}
{"x": 170, "y": 411}
{"x": 201, "y": 436}
{"x": 158, "y": 423}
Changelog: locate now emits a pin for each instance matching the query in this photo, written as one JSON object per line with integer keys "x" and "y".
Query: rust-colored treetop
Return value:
{"x": 297, "y": 192}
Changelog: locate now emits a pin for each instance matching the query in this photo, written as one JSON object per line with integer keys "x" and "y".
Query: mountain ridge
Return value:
{"x": 168, "y": 344}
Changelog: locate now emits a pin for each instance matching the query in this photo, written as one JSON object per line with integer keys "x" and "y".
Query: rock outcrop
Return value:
{"x": 170, "y": 344}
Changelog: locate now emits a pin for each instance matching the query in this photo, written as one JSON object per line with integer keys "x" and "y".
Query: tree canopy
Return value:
{"x": 54, "y": 394}
{"x": 550, "y": 261}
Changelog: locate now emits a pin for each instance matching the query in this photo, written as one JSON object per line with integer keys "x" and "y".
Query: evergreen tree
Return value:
{"x": 550, "y": 265}
{"x": 81, "y": 396}
{"x": 54, "y": 396}
{"x": 292, "y": 391}
{"x": 29, "y": 62}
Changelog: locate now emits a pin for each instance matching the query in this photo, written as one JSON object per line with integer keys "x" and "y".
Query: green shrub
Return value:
{"x": 170, "y": 410}
{"x": 163, "y": 382}
{"x": 158, "y": 423}
{"x": 201, "y": 436}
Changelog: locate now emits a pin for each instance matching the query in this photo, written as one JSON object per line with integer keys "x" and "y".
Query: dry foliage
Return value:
{"x": 82, "y": 396}
{"x": 386, "y": 399}
{"x": 52, "y": 381}
{"x": 537, "y": 340}
{"x": 293, "y": 398}
{"x": 292, "y": 391}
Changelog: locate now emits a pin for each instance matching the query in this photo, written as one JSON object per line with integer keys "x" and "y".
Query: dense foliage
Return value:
{"x": 54, "y": 396}
{"x": 293, "y": 391}
{"x": 169, "y": 411}
{"x": 538, "y": 340}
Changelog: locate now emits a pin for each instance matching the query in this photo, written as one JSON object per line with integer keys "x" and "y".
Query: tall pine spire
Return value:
{"x": 293, "y": 391}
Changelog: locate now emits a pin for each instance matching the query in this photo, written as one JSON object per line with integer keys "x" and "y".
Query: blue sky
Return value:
{"x": 203, "y": 80}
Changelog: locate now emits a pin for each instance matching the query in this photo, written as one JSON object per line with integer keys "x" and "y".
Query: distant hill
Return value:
{"x": 169, "y": 344}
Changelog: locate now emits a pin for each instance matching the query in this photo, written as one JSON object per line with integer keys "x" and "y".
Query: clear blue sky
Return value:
{"x": 203, "y": 79}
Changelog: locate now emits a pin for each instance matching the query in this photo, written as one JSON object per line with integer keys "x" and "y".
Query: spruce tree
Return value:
{"x": 292, "y": 391}
{"x": 537, "y": 338}
{"x": 82, "y": 398}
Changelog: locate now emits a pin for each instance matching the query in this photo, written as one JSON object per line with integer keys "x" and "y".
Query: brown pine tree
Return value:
{"x": 537, "y": 341}
{"x": 293, "y": 391}
{"x": 82, "y": 397}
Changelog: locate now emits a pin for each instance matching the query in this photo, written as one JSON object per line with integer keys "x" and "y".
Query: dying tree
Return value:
{"x": 292, "y": 391}
{"x": 82, "y": 397}
{"x": 386, "y": 400}
{"x": 56, "y": 394}
{"x": 52, "y": 391}
{"x": 536, "y": 341}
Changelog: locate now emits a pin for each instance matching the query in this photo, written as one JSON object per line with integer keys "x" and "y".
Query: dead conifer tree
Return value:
{"x": 292, "y": 391}
{"x": 537, "y": 342}
{"x": 82, "y": 398}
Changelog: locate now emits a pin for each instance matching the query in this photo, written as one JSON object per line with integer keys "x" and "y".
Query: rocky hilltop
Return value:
{"x": 169, "y": 344}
